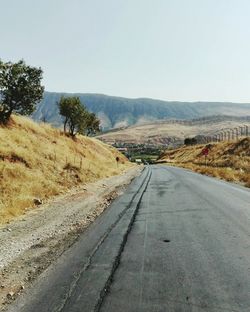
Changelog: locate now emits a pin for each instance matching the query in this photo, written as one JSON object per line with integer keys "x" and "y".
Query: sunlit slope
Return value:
{"x": 117, "y": 112}
{"x": 38, "y": 161}
{"x": 226, "y": 160}
{"x": 162, "y": 133}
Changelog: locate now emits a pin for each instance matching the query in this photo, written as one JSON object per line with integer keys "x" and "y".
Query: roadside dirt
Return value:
{"x": 29, "y": 244}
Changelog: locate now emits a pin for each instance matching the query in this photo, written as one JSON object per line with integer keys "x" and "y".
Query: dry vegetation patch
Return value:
{"x": 38, "y": 161}
{"x": 226, "y": 160}
{"x": 163, "y": 132}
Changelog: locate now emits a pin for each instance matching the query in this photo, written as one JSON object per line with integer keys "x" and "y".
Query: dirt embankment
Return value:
{"x": 38, "y": 161}
{"x": 33, "y": 241}
{"x": 226, "y": 160}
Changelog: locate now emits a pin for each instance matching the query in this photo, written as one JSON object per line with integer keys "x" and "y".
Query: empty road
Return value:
{"x": 174, "y": 241}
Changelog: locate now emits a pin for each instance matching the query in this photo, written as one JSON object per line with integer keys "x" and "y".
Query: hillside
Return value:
{"x": 38, "y": 161}
{"x": 117, "y": 112}
{"x": 226, "y": 160}
{"x": 166, "y": 132}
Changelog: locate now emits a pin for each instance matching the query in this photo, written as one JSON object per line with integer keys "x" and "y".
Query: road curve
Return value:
{"x": 175, "y": 241}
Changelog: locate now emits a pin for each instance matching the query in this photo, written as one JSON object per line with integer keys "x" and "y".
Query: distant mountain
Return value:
{"x": 115, "y": 112}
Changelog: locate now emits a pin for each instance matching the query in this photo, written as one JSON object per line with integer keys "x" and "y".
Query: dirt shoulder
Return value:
{"x": 32, "y": 242}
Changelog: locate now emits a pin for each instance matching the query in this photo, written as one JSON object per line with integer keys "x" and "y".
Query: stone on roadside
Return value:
{"x": 37, "y": 201}
{"x": 10, "y": 295}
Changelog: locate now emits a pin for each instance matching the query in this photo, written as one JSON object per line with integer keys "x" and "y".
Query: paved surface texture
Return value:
{"x": 175, "y": 241}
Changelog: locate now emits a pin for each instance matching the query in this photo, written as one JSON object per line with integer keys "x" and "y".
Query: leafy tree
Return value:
{"x": 75, "y": 115}
{"x": 20, "y": 89}
{"x": 64, "y": 106}
{"x": 92, "y": 124}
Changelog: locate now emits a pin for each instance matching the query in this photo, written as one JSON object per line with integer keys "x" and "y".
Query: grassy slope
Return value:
{"x": 226, "y": 160}
{"x": 38, "y": 161}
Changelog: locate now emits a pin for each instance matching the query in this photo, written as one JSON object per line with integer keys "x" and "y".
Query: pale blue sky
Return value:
{"x": 168, "y": 49}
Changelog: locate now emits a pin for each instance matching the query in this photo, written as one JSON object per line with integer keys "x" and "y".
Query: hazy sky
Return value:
{"x": 167, "y": 49}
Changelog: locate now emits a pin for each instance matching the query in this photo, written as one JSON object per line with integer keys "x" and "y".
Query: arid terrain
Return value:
{"x": 31, "y": 242}
{"x": 52, "y": 187}
{"x": 226, "y": 160}
{"x": 164, "y": 132}
{"x": 38, "y": 162}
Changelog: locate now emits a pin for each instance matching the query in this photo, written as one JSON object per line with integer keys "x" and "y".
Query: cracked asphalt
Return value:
{"x": 174, "y": 241}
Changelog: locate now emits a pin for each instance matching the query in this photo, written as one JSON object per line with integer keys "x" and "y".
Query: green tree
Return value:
{"x": 75, "y": 115}
{"x": 92, "y": 124}
{"x": 20, "y": 89}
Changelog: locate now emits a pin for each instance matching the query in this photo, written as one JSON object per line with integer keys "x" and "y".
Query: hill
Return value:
{"x": 38, "y": 161}
{"x": 117, "y": 112}
{"x": 172, "y": 131}
{"x": 226, "y": 160}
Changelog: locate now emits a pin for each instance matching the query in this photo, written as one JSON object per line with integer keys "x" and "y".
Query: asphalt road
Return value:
{"x": 175, "y": 241}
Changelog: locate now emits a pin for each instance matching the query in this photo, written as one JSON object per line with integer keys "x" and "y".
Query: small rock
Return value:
{"x": 2, "y": 286}
{"x": 37, "y": 201}
{"x": 10, "y": 295}
{"x": 9, "y": 230}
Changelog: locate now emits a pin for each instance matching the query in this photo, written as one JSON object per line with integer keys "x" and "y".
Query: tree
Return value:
{"x": 190, "y": 141}
{"x": 92, "y": 124}
{"x": 74, "y": 113}
{"x": 76, "y": 117}
{"x": 20, "y": 89}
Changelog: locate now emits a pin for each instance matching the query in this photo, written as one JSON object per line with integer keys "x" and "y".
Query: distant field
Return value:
{"x": 161, "y": 133}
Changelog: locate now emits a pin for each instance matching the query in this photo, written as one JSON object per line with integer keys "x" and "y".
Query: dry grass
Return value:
{"x": 38, "y": 161}
{"x": 226, "y": 160}
{"x": 161, "y": 132}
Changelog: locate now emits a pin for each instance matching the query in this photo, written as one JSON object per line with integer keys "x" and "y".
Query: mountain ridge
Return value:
{"x": 144, "y": 98}
{"x": 115, "y": 111}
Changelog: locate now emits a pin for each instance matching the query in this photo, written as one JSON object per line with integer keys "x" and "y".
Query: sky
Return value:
{"x": 184, "y": 50}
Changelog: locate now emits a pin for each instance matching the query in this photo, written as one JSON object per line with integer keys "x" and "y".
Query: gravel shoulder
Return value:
{"x": 30, "y": 243}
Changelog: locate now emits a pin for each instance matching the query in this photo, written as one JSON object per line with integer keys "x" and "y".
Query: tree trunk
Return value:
{"x": 5, "y": 116}
{"x": 65, "y": 124}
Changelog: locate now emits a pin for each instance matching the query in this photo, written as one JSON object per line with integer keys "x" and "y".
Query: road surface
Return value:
{"x": 175, "y": 241}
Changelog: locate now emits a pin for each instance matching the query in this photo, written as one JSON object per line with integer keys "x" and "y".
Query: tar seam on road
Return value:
{"x": 171, "y": 211}
{"x": 116, "y": 263}
{"x": 88, "y": 263}
{"x": 143, "y": 263}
